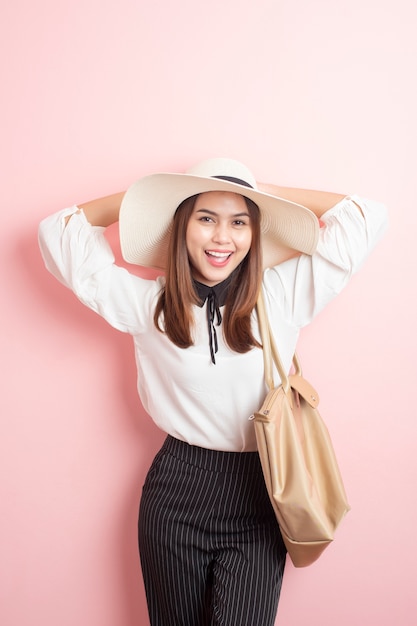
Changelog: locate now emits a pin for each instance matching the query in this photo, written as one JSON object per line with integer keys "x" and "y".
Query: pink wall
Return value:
{"x": 96, "y": 93}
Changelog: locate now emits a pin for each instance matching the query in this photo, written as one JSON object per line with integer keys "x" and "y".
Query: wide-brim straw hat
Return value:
{"x": 149, "y": 204}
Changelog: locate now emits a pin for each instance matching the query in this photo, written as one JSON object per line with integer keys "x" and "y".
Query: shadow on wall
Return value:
{"x": 44, "y": 297}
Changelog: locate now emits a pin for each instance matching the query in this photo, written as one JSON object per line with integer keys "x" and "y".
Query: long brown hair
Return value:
{"x": 178, "y": 295}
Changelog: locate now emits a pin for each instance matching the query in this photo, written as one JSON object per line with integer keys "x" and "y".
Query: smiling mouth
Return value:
{"x": 219, "y": 255}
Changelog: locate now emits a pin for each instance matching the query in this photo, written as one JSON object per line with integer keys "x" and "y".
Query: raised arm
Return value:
{"x": 103, "y": 211}
{"x": 317, "y": 201}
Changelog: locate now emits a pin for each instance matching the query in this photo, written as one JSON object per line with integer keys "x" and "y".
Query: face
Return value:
{"x": 219, "y": 235}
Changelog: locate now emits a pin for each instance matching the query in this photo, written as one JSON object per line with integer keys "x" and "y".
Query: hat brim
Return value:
{"x": 149, "y": 204}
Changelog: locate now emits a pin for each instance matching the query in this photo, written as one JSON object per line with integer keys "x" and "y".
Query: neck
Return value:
{"x": 219, "y": 289}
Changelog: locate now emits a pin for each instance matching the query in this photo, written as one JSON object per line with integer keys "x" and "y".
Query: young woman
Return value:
{"x": 210, "y": 547}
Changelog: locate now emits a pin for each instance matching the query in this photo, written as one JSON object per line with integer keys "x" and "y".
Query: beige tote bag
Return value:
{"x": 298, "y": 461}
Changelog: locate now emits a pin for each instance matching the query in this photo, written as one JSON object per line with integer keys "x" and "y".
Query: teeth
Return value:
{"x": 220, "y": 255}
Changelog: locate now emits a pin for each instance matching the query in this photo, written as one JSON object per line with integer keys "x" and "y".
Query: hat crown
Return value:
{"x": 223, "y": 168}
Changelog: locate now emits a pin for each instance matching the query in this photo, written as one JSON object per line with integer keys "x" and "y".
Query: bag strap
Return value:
{"x": 270, "y": 350}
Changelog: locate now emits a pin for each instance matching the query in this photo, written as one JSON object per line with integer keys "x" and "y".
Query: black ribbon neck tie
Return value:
{"x": 216, "y": 297}
{"x": 212, "y": 310}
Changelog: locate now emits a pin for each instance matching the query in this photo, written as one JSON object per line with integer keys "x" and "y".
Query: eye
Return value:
{"x": 205, "y": 218}
{"x": 239, "y": 223}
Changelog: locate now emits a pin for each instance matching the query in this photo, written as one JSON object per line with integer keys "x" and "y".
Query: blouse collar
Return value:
{"x": 216, "y": 297}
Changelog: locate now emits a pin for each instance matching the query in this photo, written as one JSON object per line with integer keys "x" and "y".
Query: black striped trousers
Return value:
{"x": 210, "y": 547}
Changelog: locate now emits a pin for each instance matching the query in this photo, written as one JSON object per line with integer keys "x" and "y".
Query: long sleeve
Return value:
{"x": 80, "y": 257}
{"x": 301, "y": 287}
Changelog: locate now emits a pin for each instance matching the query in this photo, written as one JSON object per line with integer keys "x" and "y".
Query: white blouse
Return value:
{"x": 186, "y": 395}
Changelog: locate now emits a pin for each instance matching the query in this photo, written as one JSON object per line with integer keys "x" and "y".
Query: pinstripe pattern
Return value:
{"x": 210, "y": 548}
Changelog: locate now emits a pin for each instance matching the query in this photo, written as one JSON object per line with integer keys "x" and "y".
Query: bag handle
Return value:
{"x": 270, "y": 350}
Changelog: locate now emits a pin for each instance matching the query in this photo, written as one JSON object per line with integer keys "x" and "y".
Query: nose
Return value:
{"x": 221, "y": 233}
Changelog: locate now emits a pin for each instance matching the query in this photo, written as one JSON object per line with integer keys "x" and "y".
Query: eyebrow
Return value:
{"x": 243, "y": 214}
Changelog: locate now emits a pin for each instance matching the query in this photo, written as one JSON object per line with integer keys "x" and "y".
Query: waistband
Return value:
{"x": 212, "y": 460}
